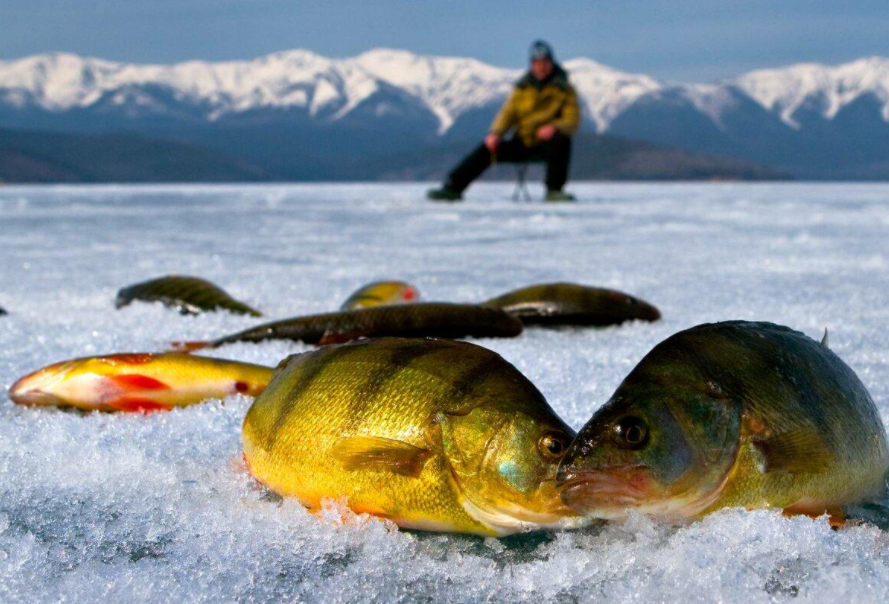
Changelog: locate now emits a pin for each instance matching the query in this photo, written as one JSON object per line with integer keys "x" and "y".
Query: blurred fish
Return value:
{"x": 380, "y": 293}
{"x": 423, "y": 319}
{"x": 138, "y": 382}
{"x": 2, "y": 311}
{"x": 733, "y": 414}
{"x": 432, "y": 434}
{"x": 572, "y": 304}
{"x": 189, "y": 295}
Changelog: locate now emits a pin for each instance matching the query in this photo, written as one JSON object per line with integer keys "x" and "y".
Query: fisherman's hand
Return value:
{"x": 492, "y": 141}
{"x": 546, "y": 132}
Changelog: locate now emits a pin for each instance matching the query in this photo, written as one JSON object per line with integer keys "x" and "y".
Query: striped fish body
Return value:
{"x": 189, "y": 295}
{"x": 138, "y": 382}
{"x": 432, "y": 434}
{"x": 732, "y": 414}
{"x": 573, "y": 304}
{"x": 380, "y": 293}
{"x": 424, "y": 319}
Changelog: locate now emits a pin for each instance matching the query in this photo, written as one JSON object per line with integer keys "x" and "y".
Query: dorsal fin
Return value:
{"x": 825, "y": 341}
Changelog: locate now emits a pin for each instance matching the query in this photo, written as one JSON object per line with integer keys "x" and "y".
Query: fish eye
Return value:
{"x": 630, "y": 432}
{"x": 553, "y": 445}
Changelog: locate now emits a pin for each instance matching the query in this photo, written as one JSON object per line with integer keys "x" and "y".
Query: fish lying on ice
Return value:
{"x": 381, "y": 293}
{"x": 138, "y": 382}
{"x": 423, "y": 319}
{"x": 573, "y": 304}
{"x": 432, "y": 434}
{"x": 189, "y": 295}
{"x": 733, "y": 414}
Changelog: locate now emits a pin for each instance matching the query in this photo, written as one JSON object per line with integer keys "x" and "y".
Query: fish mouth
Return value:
{"x": 514, "y": 518}
{"x": 650, "y": 313}
{"x": 601, "y": 493}
{"x": 33, "y": 389}
{"x": 22, "y": 393}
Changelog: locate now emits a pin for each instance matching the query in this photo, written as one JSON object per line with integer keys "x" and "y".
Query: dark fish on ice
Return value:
{"x": 189, "y": 295}
{"x": 573, "y": 304}
{"x": 421, "y": 320}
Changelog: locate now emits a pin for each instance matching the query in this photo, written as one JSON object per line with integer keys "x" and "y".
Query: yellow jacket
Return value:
{"x": 531, "y": 106}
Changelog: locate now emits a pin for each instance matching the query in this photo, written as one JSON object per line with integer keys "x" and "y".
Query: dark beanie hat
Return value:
{"x": 542, "y": 50}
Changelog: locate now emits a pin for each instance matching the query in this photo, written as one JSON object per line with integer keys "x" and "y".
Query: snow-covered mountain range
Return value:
{"x": 803, "y": 117}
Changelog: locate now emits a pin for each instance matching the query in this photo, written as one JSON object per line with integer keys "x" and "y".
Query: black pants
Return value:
{"x": 556, "y": 152}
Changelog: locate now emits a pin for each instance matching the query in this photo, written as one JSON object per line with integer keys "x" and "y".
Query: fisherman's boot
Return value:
{"x": 556, "y": 196}
{"x": 445, "y": 193}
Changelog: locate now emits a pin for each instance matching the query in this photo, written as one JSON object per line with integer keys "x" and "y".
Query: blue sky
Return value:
{"x": 702, "y": 40}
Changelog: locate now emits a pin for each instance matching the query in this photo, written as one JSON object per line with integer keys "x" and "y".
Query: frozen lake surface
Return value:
{"x": 159, "y": 509}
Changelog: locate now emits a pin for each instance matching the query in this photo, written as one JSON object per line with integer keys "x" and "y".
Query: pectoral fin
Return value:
{"x": 376, "y": 453}
{"x": 800, "y": 451}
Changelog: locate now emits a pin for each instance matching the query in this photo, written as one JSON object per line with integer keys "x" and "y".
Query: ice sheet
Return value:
{"x": 159, "y": 509}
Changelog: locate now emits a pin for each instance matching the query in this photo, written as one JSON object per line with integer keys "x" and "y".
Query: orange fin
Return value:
{"x": 191, "y": 346}
{"x": 136, "y": 381}
{"x": 137, "y": 404}
{"x": 339, "y": 337}
{"x": 836, "y": 516}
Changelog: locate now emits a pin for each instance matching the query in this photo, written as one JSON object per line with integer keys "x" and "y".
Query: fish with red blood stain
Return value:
{"x": 140, "y": 382}
{"x": 382, "y": 293}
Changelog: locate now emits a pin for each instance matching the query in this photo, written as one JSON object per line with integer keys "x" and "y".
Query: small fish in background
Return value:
{"x": 733, "y": 414}
{"x": 188, "y": 295}
{"x": 573, "y": 304}
{"x": 420, "y": 320}
{"x": 381, "y": 293}
{"x": 3, "y": 311}
{"x": 432, "y": 434}
{"x": 140, "y": 382}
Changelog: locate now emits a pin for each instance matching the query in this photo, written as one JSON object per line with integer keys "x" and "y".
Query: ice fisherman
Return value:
{"x": 542, "y": 114}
